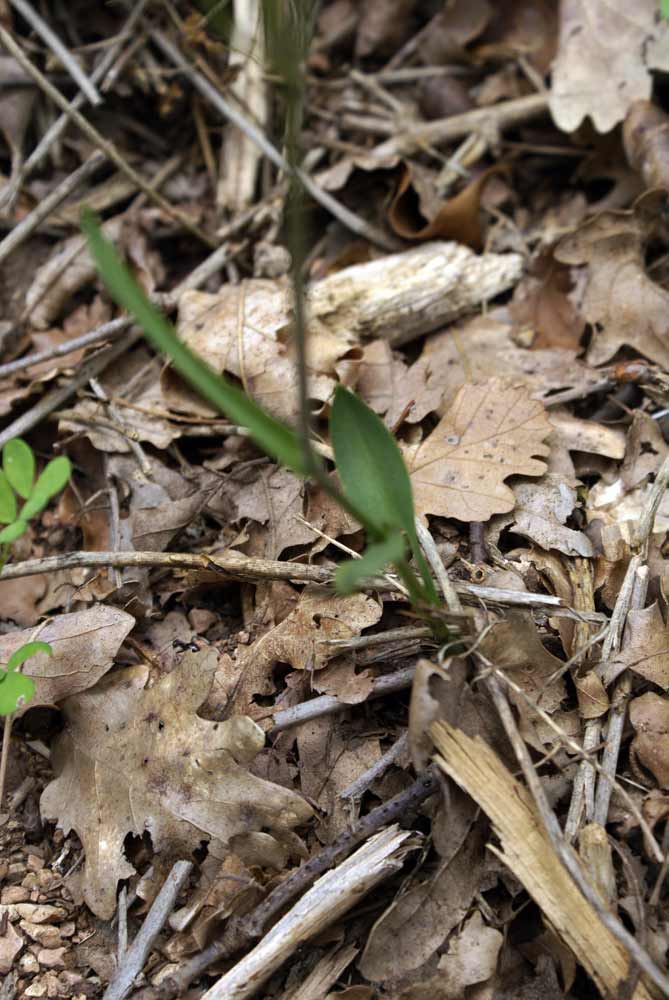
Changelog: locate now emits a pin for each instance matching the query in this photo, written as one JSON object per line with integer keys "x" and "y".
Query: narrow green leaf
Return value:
{"x": 370, "y": 465}
{"x": 52, "y": 479}
{"x": 275, "y": 438}
{"x": 7, "y": 500}
{"x": 18, "y": 462}
{"x": 13, "y": 531}
{"x": 15, "y": 690}
{"x": 24, "y": 652}
{"x": 375, "y": 558}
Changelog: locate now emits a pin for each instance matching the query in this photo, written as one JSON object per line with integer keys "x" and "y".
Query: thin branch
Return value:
{"x": 209, "y": 92}
{"x": 57, "y": 396}
{"x": 103, "y": 332}
{"x": 107, "y": 147}
{"x": 46, "y": 206}
{"x": 138, "y": 952}
{"x": 62, "y": 53}
{"x": 241, "y": 931}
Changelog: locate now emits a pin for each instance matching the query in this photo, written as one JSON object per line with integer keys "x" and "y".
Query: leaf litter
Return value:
{"x": 499, "y": 298}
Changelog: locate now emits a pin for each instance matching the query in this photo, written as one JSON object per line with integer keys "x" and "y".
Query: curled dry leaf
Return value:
{"x": 133, "y": 759}
{"x": 492, "y": 431}
{"x": 649, "y": 715}
{"x": 620, "y": 300}
{"x": 84, "y": 645}
{"x": 606, "y": 52}
{"x": 540, "y": 514}
{"x": 646, "y": 141}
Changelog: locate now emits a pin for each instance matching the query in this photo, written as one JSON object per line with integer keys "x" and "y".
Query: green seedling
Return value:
{"x": 15, "y": 688}
{"x": 18, "y": 483}
{"x": 376, "y": 488}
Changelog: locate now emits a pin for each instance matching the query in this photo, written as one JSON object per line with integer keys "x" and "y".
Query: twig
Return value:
{"x": 332, "y": 896}
{"x": 209, "y": 92}
{"x": 328, "y": 704}
{"x": 57, "y": 396}
{"x": 107, "y": 147}
{"x": 122, "y": 925}
{"x": 28, "y": 12}
{"x": 241, "y": 931}
{"x": 233, "y": 564}
{"x": 60, "y": 350}
{"x": 54, "y": 131}
{"x": 358, "y": 787}
{"x": 44, "y": 208}
{"x": 437, "y": 564}
{"x": 506, "y": 114}
{"x": 616, "y": 723}
{"x": 138, "y": 951}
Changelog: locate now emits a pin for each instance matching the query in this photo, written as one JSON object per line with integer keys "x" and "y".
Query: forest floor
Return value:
{"x": 233, "y": 780}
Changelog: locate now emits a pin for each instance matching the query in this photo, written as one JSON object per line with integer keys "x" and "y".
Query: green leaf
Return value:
{"x": 53, "y": 478}
{"x": 7, "y": 500}
{"x": 375, "y": 558}
{"x": 370, "y": 465}
{"x": 24, "y": 652}
{"x": 15, "y": 690}
{"x": 13, "y": 531}
{"x": 275, "y": 438}
{"x": 18, "y": 462}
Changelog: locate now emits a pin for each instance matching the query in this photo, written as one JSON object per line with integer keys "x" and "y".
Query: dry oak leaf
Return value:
{"x": 133, "y": 759}
{"x": 492, "y": 431}
{"x": 620, "y": 301}
{"x": 540, "y": 513}
{"x": 645, "y": 647}
{"x": 83, "y": 645}
{"x": 606, "y": 51}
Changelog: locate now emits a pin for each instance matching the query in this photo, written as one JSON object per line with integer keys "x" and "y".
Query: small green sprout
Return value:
{"x": 17, "y": 479}
{"x": 17, "y": 482}
{"x": 15, "y": 688}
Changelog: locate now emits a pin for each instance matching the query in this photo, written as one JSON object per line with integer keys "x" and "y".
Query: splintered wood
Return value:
{"x": 527, "y": 850}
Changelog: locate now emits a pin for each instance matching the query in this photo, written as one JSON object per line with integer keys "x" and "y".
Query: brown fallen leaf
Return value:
{"x": 240, "y": 331}
{"x": 541, "y": 301}
{"x": 415, "y": 925}
{"x": 299, "y": 641}
{"x": 394, "y": 390}
{"x": 472, "y": 955}
{"x": 645, "y": 647}
{"x": 84, "y": 645}
{"x": 646, "y": 142}
{"x": 492, "y": 431}
{"x": 483, "y": 348}
{"x": 133, "y": 759}
{"x": 649, "y": 715}
{"x": 540, "y": 513}
{"x": 620, "y": 301}
{"x": 605, "y": 56}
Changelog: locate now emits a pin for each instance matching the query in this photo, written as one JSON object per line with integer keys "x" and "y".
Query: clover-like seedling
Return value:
{"x": 17, "y": 480}
{"x": 15, "y": 688}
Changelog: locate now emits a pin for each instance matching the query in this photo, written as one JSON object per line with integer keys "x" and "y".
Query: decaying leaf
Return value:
{"x": 472, "y": 955}
{"x": 492, "y": 431}
{"x": 414, "y": 926}
{"x": 645, "y": 647}
{"x": 84, "y": 644}
{"x": 620, "y": 301}
{"x": 605, "y": 54}
{"x": 240, "y": 331}
{"x": 134, "y": 758}
{"x": 540, "y": 514}
{"x": 300, "y": 641}
{"x": 484, "y": 347}
{"x": 649, "y": 715}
